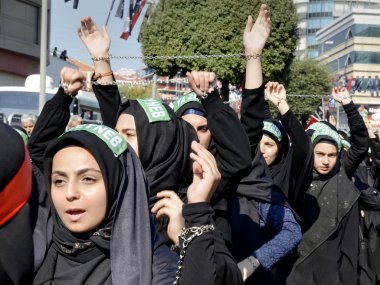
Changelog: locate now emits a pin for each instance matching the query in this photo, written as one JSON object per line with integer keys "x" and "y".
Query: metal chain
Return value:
{"x": 186, "y": 240}
{"x": 166, "y": 57}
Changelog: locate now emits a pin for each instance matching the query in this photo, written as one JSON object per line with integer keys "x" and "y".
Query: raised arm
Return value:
{"x": 301, "y": 148}
{"x": 374, "y": 143}
{"x": 55, "y": 115}
{"x": 106, "y": 91}
{"x": 231, "y": 142}
{"x": 253, "y": 104}
{"x": 358, "y": 130}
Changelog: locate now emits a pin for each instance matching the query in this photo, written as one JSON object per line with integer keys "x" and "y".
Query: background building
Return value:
{"x": 316, "y": 14}
{"x": 350, "y": 47}
{"x": 19, "y": 39}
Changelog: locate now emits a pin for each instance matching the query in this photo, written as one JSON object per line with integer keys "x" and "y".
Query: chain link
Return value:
{"x": 167, "y": 57}
{"x": 186, "y": 236}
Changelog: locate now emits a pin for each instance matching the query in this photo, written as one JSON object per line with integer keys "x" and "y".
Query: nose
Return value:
{"x": 262, "y": 149}
{"x": 72, "y": 192}
{"x": 325, "y": 160}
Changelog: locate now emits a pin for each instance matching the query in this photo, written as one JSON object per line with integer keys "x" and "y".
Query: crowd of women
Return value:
{"x": 190, "y": 194}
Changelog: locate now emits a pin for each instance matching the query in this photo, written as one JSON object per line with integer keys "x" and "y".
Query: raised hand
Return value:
{"x": 97, "y": 42}
{"x": 206, "y": 175}
{"x": 170, "y": 205}
{"x": 256, "y": 35}
{"x": 202, "y": 82}
{"x": 72, "y": 80}
{"x": 276, "y": 94}
{"x": 341, "y": 95}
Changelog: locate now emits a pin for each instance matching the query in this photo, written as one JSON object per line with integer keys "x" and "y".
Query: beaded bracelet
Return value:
{"x": 279, "y": 101}
{"x": 252, "y": 56}
{"x": 101, "y": 75}
{"x": 101, "y": 58}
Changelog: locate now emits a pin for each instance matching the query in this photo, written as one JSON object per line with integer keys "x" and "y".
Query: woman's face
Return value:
{"x": 126, "y": 126}
{"x": 78, "y": 190}
{"x": 200, "y": 125}
{"x": 269, "y": 149}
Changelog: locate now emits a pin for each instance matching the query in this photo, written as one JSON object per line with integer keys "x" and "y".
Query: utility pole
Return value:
{"x": 43, "y": 55}
{"x": 154, "y": 86}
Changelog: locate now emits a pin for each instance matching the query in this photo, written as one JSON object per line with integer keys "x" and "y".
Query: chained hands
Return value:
{"x": 72, "y": 80}
{"x": 276, "y": 94}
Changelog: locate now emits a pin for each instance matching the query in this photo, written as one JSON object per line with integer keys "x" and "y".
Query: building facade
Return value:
{"x": 350, "y": 47}
{"x": 316, "y": 14}
{"x": 19, "y": 40}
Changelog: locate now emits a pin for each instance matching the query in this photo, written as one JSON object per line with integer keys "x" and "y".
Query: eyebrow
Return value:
{"x": 202, "y": 126}
{"x": 79, "y": 172}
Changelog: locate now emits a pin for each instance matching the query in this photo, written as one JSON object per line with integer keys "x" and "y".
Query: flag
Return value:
{"x": 120, "y": 10}
{"x": 331, "y": 103}
{"x": 312, "y": 120}
{"x": 75, "y": 4}
{"x": 134, "y": 13}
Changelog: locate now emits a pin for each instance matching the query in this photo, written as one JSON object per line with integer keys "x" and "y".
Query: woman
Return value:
{"x": 17, "y": 201}
{"x": 264, "y": 229}
{"x": 102, "y": 231}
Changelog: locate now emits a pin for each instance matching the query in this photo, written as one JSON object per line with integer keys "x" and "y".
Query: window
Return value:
{"x": 23, "y": 25}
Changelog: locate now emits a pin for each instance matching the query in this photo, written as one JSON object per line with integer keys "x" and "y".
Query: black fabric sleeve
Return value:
{"x": 231, "y": 142}
{"x": 51, "y": 124}
{"x": 359, "y": 140}
{"x": 253, "y": 115}
{"x": 375, "y": 167}
{"x": 207, "y": 259}
{"x": 109, "y": 101}
{"x": 267, "y": 112}
{"x": 302, "y": 156}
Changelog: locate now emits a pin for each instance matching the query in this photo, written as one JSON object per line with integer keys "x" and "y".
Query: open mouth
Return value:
{"x": 75, "y": 214}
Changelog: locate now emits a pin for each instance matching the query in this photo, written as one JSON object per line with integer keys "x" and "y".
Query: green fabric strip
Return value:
{"x": 110, "y": 137}
{"x": 155, "y": 110}
{"x": 329, "y": 133}
{"x": 272, "y": 128}
{"x": 189, "y": 97}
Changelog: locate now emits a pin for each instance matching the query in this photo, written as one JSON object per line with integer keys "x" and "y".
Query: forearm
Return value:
{"x": 300, "y": 140}
{"x": 109, "y": 101}
{"x": 253, "y": 74}
{"x": 287, "y": 236}
{"x": 252, "y": 115}
{"x": 375, "y": 168}
{"x": 359, "y": 139}
{"x": 51, "y": 124}
{"x": 207, "y": 260}
{"x": 229, "y": 137}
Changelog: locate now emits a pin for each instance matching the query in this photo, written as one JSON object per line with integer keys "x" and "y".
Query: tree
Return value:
{"x": 307, "y": 77}
{"x": 182, "y": 27}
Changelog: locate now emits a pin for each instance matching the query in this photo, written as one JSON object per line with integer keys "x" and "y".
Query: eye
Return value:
{"x": 58, "y": 182}
{"x": 89, "y": 179}
{"x": 203, "y": 129}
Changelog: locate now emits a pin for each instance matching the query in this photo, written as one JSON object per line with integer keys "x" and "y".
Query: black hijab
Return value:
{"x": 109, "y": 253}
{"x": 164, "y": 149}
{"x": 16, "y": 243}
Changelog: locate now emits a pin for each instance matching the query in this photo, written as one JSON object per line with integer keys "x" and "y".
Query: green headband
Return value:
{"x": 110, "y": 137}
{"x": 155, "y": 110}
{"x": 346, "y": 145}
{"x": 333, "y": 135}
{"x": 189, "y": 97}
{"x": 318, "y": 126}
{"x": 272, "y": 129}
{"x": 24, "y": 136}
